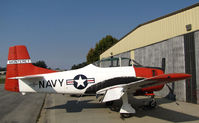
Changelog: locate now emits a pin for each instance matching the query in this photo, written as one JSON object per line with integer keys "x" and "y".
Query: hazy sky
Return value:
{"x": 61, "y": 32}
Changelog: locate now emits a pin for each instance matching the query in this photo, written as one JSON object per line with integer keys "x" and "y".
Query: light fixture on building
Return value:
{"x": 188, "y": 27}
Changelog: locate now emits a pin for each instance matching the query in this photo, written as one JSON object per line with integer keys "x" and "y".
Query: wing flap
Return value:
{"x": 113, "y": 94}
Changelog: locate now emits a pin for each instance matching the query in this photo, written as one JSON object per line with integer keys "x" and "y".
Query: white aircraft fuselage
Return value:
{"x": 73, "y": 81}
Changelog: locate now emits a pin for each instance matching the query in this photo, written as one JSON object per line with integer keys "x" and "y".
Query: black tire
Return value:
{"x": 75, "y": 95}
{"x": 126, "y": 115}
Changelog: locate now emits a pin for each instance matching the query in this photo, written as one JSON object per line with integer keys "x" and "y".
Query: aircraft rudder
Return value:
{"x": 19, "y": 64}
{"x": 12, "y": 70}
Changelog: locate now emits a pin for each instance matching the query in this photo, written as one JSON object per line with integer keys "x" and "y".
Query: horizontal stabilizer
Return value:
{"x": 27, "y": 77}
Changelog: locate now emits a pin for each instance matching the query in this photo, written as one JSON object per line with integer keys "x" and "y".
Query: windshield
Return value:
{"x": 116, "y": 62}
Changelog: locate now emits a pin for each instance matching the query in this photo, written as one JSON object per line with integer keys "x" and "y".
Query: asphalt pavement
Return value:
{"x": 66, "y": 109}
{"x": 58, "y": 108}
{"x": 16, "y": 108}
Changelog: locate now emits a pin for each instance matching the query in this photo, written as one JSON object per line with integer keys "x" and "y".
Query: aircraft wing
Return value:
{"x": 156, "y": 80}
{"x": 116, "y": 92}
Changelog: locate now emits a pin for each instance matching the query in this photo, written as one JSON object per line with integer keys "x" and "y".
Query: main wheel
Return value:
{"x": 126, "y": 115}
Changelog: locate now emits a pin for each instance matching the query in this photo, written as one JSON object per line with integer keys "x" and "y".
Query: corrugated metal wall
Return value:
{"x": 196, "y": 36}
{"x": 173, "y": 51}
{"x": 190, "y": 67}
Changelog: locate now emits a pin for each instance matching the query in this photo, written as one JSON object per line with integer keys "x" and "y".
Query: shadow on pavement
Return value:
{"x": 78, "y": 106}
{"x": 166, "y": 114}
{"x": 138, "y": 104}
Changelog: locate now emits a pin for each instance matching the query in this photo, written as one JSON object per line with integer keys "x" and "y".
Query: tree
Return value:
{"x": 79, "y": 65}
{"x": 94, "y": 53}
{"x": 105, "y": 43}
{"x": 40, "y": 64}
{"x": 90, "y": 58}
{"x": 2, "y": 68}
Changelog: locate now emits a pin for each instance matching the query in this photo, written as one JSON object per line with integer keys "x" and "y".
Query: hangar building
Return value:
{"x": 173, "y": 38}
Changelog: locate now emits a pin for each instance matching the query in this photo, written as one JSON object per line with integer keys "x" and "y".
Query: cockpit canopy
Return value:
{"x": 116, "y": 62}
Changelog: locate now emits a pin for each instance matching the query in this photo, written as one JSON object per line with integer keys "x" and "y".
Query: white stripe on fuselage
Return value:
{"x": 66, "y": 82}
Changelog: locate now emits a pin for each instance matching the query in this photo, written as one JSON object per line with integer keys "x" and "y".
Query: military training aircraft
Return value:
{"x": 112, "y": 83}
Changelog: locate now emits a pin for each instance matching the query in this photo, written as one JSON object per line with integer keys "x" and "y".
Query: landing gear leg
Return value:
{"x": 152, "y": 102}
{"x": 126, "y": 110}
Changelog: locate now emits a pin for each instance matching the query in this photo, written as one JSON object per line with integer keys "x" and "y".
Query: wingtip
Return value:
{"x": 180, "y": 75}
{"x": 187, "y": 75}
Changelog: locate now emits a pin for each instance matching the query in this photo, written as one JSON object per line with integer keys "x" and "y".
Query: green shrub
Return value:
{"x": 2, "y": 80}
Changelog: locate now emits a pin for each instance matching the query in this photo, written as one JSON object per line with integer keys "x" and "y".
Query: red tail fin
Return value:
{"x": 19, "y": 64}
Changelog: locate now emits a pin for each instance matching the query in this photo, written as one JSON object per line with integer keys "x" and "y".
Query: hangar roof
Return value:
{"x": 159, "y": 29}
